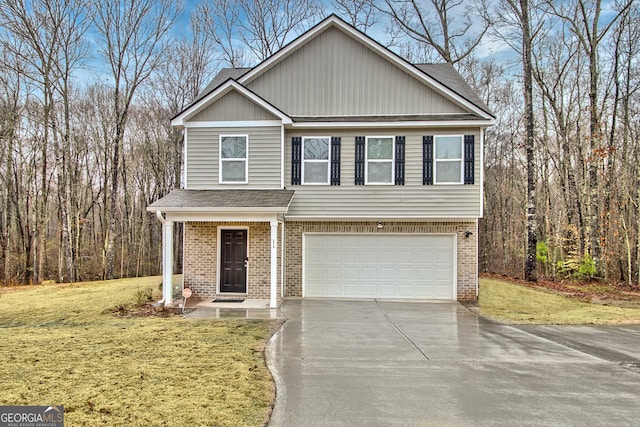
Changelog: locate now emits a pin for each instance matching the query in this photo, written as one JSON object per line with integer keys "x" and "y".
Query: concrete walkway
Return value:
{"x": 378, "y": 363}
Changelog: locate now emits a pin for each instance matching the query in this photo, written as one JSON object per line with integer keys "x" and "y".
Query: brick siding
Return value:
{"x": 200, "y": 258}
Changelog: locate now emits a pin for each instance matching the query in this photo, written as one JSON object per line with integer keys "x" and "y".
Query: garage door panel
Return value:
{"x": 379, "y": 266}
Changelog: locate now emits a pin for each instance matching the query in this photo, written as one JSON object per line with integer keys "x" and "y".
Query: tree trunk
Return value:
{"x": 530, "y": 273}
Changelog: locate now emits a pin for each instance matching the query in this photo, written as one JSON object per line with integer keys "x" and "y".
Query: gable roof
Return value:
{"x": 442, "y": 78}
{"x": 218, "y": 92}
{"x": 335, "y": 21}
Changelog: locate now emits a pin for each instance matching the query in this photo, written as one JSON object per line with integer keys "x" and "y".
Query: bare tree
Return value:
{"x": 449, "y": 27}
{"x": 518, "y": 13}
{"x": 583, "y": 18}
{"x": 72, "y": 50}
{"x": 174, "y": 85}
{"x": 46, "y": 36}
{"x": 133, "y": 33}
{"x": 555, "y": 61}
{"x": 362, "y": 14}
{"x": 11, "y": 104}
{"x": 220, "y": 21}
{"x": 261, "y": 26}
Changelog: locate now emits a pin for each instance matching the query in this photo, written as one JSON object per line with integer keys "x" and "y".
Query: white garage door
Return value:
{"x": 379, "y": 266}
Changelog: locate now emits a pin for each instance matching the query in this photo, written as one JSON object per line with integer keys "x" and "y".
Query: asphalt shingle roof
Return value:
{"x": 224, "y": 200}
{"x": 223, "y": 75}
{"x": 448, "y": 76}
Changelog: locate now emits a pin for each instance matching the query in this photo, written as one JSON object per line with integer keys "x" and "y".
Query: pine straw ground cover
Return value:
{"x": 65, "y": 345}
{"x": 507, "y": 301}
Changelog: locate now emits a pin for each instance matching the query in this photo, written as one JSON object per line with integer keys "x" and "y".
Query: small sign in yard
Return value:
{"x": 186, "y": 293}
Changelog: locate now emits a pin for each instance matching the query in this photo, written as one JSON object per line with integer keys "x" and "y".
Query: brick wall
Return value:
{"x": 467, "y": 268}
{"x": 200, "y": 258}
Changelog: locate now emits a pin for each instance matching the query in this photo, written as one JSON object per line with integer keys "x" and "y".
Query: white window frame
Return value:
{"x": 392, "y": 160}
{"x": 436, "y": 160}
{"x": 328, "y": 160}
{"x": 245, "y": 159}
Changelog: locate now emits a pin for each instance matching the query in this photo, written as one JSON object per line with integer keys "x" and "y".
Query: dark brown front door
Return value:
{"x": 233, "y": 261}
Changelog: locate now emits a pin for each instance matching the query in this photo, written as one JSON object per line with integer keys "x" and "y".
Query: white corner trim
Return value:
{"x": 184, "y": 153}
{"x": 282, "y": 156}
{"x": 482, "y": 132}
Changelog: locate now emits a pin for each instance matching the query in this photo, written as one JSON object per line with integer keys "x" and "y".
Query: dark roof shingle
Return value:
{"x": 224, "y": 200}
{"x": 449, "y": 77}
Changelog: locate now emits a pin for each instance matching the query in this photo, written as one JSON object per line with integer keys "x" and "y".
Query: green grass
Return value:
{"x": 61, "y": 345}
{"x": 511, "y": 303}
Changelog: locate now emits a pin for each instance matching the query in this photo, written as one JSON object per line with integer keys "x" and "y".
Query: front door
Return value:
{"x": 233, "y": 261}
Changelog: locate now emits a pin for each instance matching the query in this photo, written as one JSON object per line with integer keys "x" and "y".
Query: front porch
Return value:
{"x": 233, "y": 243}
{"x": 209, "y": 262}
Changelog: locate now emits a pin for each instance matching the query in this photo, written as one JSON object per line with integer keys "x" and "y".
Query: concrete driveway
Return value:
{"x": 380, "y": 363}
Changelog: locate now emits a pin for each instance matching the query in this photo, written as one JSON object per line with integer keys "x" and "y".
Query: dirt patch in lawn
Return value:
{"x": 591, "y": 291}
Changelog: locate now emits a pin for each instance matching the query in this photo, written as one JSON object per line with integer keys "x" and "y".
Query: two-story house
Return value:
{"x": 335, "y": 169}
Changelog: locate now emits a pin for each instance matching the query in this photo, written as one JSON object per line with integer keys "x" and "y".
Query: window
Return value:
{"x": 315, "y": 160}
{"x": 448, "y": 159}
{"x": 234, "y": 152}
{"x": 379, "y": 162}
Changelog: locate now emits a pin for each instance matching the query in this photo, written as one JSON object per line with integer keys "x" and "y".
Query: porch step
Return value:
{"x": 230, "y": 298}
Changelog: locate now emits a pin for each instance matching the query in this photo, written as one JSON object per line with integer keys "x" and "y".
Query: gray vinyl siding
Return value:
{"x": 347, "y": 79}
{"x": 233, "y": 106}
{"x": 385, "y": 201}
{"x": 264, "y": 157}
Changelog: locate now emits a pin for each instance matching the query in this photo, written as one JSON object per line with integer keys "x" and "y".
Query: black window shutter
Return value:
{"x": 296, "y": 160}
{"x": 360, "y": 147}
{"x": 427, "y": 160}
{"x": 399, "y": 166}
{"x": 469, "y": 159}
{"x": 335, "y": 160}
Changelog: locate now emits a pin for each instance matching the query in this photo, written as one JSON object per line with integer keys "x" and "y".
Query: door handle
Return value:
{"x": 246, "y": 262}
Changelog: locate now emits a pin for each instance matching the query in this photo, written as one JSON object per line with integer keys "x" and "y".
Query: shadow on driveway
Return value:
{"x": 382, "y": 363}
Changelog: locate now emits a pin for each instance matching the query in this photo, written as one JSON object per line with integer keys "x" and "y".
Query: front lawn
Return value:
{"x": 62, "y": 345}
{"x": 513, "y": 303}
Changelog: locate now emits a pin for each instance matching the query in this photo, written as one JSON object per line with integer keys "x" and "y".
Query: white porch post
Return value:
{"x": 274, "y": 264}
{"x": 167, "y": 268}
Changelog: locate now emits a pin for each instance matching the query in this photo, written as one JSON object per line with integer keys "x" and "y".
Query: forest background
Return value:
{"x": 87, "y": 90}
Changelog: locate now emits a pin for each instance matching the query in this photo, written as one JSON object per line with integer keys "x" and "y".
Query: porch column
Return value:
{"x": 274, "y": 265}
{"x": 167, "y": 264}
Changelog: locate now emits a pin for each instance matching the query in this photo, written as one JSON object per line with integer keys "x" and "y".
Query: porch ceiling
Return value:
{"x": 221, "y": 201}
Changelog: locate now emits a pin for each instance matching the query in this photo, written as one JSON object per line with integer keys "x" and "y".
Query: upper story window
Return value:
{"x": 315, "y": 160}
{"x": 448, "y": 159}
{"x": 380, "y": 158}
{"x": 234, "y": 159}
